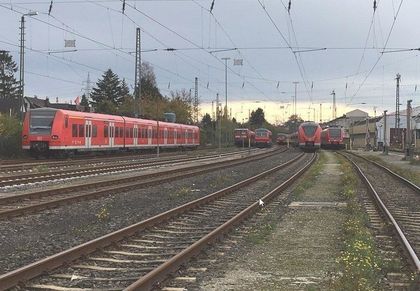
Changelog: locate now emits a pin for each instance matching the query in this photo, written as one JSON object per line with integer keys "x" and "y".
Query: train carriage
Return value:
{"x": 263, "y": 137}
{"x": 244, "y": 137}
{"x": 49, "y": 130}
{"x": 309, "y": 136}
{"x": 332, "y": 138}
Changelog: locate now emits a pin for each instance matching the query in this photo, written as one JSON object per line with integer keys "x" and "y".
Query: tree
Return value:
{"x": 149, "y": 89}
{"x": 84, "y": 101}
{"x": 9, "y": 87}
{"x": 257, "y": 118}
{"x": 180, "y": 104}
{"x": 107, "y": 94}
{"x": 293, "y": 123}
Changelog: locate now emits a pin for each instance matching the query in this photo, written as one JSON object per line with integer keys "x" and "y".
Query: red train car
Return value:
{"x": 332, "y": 138}
{"x": 49, "y": 130}
{"x": 263, "y": 137}
{"x": 244, "y": 137}
{"x": 309, "y": 136}
{"x": 282, "y": 138}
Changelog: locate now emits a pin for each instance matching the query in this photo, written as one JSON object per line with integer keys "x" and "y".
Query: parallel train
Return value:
{"x": 332, "y": 138}
{"x": 50, "y": 131}
{"x": 282, "y": 138}
{"x": 263, "y": 137}
{"x": 244, "y": 137}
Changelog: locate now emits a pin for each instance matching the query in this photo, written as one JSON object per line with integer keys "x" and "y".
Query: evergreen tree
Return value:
{"x": 257, "y": 118}
{"x": 84, "y": 101}
{"x": 9, "y": 87}
{"x": 124, "y": 91}
{"x": 107, "y": 94}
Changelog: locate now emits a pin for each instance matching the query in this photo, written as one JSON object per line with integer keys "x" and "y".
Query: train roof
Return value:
{"x": 81, "y": 114}
{"x": 309, "y": 123}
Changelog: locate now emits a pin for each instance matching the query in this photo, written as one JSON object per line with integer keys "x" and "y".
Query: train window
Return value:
{"x": 117, "y": 133}
{"x": 94, "y": 131}
{"x": 66, "y": 121}
{"x": 74, "y": 130}
{"x": 149, "y": 133}
{"x": 81, "y": 130}
{"x": 131, "y": 132}
{"x": 106, "y": 131}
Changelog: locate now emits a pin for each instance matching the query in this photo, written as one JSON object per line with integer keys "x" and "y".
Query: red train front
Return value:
{"x": 309, "y": 136}
{"x": 332, "y": 138}
{"x": 263, "y": 137}
{"x": 48, "y": 130}
{"x": 244, "y": 137}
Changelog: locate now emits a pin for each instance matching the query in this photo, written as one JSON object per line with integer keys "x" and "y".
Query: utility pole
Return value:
{"x": 408, "y": 132}
{"x": 385, "y": 133}
{"x": 137, "y": 75}
{"x": 320, "y": 112}
{"x": 196, "y": 101}
{"x": 397, "y": 105}
{"x": 334, "y": 109}
{"x": 226, "y": 89}
{"x": 295, "y": 98}
{"x": 219, "y": 122}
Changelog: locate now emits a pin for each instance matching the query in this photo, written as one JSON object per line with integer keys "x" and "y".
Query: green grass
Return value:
{"x": 260, "y": 233}
{"x": 359, "y": 260}
{"x": 181, "y": 192}
{"x": 311, "y": 176}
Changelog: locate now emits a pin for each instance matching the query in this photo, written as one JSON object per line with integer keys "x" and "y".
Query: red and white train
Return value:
{"x": 332, "y": 138}
{"x": 49, "y": 130}
{"x": 308, "y": 136}
{"x": 263, "y": 137}
{"x": 244, "y": 137}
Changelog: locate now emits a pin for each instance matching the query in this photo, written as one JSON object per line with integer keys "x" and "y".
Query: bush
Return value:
{"x": 10, "y": 136}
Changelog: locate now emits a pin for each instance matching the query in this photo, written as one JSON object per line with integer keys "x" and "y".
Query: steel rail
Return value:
{"x": 88, "y": 171}
{"x": 153, "y": 180}
{"x": 405, "y": 180}
{"x": 404, "y": 241}
{"x": 150, "y": 280}
{"x": 37, "y": 268}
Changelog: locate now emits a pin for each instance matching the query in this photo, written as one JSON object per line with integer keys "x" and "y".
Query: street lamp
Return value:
{"x": 22, "y": 58}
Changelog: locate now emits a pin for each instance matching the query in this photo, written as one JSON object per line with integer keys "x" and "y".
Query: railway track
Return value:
{"x": 398, "y": 201}
{"x": 57, "y": 173}
{"x": 31, "y": 202}
{"x": 140, "y": 256}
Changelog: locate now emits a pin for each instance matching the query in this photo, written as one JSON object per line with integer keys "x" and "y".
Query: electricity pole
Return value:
{"x": 137, "y": 75}
{"x": 408, "y": 132}
{"x": 295, "y": 98}
{"x": 397, "y": 104}
{"x": 385, "y": 133}
{"x": 226, "y": 90}
{"x": 334, "y": 109}
{"x": 22, "y": 60}
{"x": 218, "y": 119}
{"x": 320, "y": 112}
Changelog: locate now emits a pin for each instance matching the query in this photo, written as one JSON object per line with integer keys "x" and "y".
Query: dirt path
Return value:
{"x": 301, "y": 251}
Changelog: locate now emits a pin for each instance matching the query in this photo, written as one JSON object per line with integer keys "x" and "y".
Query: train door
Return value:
{"x": 165, "y": 136}
{"x": 135, "y": 135}
{"x": 149, "y": 135}
{"x": 111, "y": 134}
{"x": 88, "y": 134}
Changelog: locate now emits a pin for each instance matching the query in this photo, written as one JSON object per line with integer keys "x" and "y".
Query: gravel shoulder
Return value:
{"x": 301, "y": 250}
{"x": 26, "y": 239}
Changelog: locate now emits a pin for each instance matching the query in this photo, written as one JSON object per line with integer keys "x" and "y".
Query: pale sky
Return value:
{"x": 277, "y": 50}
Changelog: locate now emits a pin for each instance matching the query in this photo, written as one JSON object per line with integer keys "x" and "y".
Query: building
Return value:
{"x": 35, "y": 102}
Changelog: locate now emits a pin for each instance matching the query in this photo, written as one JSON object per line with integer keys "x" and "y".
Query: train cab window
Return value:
{"x": 74, "y": 130}
{"x": 94, "y": 131}
{"x": 81, "y": 130}
{"x": 106, "y": 131}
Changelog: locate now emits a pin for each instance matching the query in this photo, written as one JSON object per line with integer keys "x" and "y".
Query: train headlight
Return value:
{"x": 54, "y": 137}
{"x": 25, "y": 137}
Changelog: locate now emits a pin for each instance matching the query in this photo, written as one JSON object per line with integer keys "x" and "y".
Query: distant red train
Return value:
{"x": 244, "y": 137}
{"x": 282, "y": 138}
{"x": 263, "y": 137}
{"x": 49, "y": 130}
{"x": 308, "y": 136}
{"x": 332, "y": 138}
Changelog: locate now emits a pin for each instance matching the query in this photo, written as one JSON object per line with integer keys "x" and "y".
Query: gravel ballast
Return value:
{"x": 30, "y": 238}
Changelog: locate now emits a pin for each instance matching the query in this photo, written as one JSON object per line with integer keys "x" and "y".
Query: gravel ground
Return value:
{"x": 298, "y": 254}
{"x": 26, "y": 239}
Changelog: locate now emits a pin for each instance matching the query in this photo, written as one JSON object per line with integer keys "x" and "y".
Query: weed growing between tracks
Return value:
{"x": 360, "y": 261}
{"x": 263, "y": 230}
{"x": 410, "y": 175}
{"x": 311, "y": 176}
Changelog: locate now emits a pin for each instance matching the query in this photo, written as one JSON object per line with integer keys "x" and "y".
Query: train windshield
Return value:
{"x": 41, "y": 121}
{"x": 335, "y": 132}
{"x": 261, "y": 133}
{"x": 309, "y": 130}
